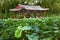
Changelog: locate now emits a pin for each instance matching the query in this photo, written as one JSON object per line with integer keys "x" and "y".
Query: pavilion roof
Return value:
{"x": 29, "y": 8}
{"x": 34, "y": 7}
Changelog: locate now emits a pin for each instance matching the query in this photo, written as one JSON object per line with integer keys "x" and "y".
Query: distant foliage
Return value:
{"x": 53, "y": 5}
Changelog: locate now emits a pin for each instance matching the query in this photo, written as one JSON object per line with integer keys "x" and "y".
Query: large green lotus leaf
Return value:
{"x": 33, "y": 36}
{"x": 36, "y": 29}
{"x": 27, "y": 28}
{"x": 18, "y": 33}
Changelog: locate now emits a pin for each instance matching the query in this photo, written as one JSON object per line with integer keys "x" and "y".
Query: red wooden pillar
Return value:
{"x": 37, "y": 15}
{"x": 40, "y": 14}
{"x": 15, "y": 15}
{"x": 23, "y": 15}
{"x": 30, "y": 14}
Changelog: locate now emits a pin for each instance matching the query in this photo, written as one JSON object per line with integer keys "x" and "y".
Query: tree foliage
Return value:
{"x": 53, "y": 5}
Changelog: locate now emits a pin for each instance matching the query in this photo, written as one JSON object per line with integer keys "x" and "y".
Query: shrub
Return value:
{"x": 30, "y": 29}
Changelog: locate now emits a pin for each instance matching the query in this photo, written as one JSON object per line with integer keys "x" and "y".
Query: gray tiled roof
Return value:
{"x": 14, "y": 9}
{"x": 30, "y": 8}
{"x": 33, "y": 7}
